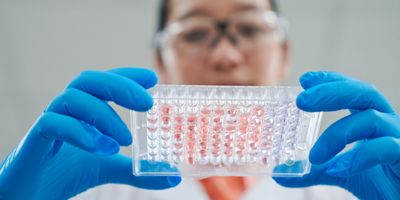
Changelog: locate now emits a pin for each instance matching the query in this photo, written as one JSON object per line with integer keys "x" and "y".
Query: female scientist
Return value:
{"x": 73, "y": 146}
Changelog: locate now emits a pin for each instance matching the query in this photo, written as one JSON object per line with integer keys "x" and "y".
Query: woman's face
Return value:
{"x": 233, "y": 58}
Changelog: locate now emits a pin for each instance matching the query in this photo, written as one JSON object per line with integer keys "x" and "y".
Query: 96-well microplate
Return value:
{"x": 223, "y": 131}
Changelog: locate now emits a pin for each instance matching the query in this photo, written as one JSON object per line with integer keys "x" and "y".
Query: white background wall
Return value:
{"x": 45, "y": 43}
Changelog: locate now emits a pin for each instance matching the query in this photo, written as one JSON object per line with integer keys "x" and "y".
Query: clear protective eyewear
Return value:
{"x": 246, "y": 30}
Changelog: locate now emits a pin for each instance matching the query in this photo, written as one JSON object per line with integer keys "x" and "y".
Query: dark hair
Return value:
{"x": 163, "y": 13}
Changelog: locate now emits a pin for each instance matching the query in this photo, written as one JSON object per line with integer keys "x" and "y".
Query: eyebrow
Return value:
{"x": 247, "y": 7}
{"x": 194, "y": 13}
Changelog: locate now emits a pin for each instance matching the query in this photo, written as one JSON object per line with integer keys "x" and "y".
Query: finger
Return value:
{"x": 317, "y": 176}
{"x": 362, "y": 125}
{"x": 311, "y": 79}
{"x": 113, "y": 87}
{"x": 53, "y": 126}
{"x": 85, "y": 107}
{"x": 383, "y": 150}
{"x": 342, "y": 95}
{"x": 144, "y": 77}
{"x": 118, "y": 169}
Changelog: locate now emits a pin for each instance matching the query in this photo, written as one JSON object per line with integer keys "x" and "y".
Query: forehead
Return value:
{"x": 219, "y": 9}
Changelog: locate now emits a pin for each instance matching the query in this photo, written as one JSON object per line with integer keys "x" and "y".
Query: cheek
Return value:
{"x": 265, "y": 66}
{"x": 182, "y": 69}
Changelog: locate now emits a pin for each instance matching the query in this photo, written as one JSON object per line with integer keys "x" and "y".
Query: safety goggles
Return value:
{"x": 246, "y": 30}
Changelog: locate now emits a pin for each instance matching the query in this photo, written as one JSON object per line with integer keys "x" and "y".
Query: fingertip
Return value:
{"x": 146, "y": 104}
{"x": 306, "y": 79}
{"x": 147, "y": 78}
{"x": 138, "y": 99}
{"x": 301, "y": 101}
{"x": 124, "y": 134}
{"x": 311, "y": 79}
{"x": 127, "y": 140}
{"x": 106, "y": 146}
{"x": 174, "y": 180}
{"x": 151, "y": 79}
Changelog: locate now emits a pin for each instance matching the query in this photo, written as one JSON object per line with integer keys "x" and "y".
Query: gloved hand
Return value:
{"x": 74, "y": 144}
{"x": 371, "y": 169}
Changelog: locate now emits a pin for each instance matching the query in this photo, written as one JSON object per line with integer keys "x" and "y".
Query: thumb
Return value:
{"x": 118, "y": 169}
{"x": 317, "y": 176}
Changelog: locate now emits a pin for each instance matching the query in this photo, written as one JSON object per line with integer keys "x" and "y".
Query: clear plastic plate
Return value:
{"x": 197, "y": 130}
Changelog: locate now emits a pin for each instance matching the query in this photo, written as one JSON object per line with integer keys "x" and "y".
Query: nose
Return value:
{"x": 225, "y": 56}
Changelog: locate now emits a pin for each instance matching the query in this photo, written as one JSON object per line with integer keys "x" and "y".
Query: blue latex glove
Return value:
{"x": 371, "y": 169}
{"x": 73, "y": 145}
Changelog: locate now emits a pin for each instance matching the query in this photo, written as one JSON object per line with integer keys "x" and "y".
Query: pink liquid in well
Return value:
{"x": 204, "y": 129}
{"x": 192, "y": 128}
{"x": 243, "y": 129}
{"x": 254, "y": 137}
{"x": 229, "y": 137}
{"x": 259, "y": 111}
{"x": 215, "y": 152}
{"x": 203, "y": 137}
{"x": 230, "y": 128}
{"x": 178, "y": 145}
{"x": 256, "y": 121}
{"x": 192, "y": 119}
{"x": 191, "y": 135}
{"x": 218, "y": 119}
{"x": 219, "y": 111}
{"x": 205, "y": 133}
{"x": 165, "y": 109}
{"x": 165, "y": 119}
{"x": 179, "y": 119}
{"x": 203, "y": 145}
{"x": 242, "y": 136}
{"x": 152, "y": 120}
{"x": 254, "y": 145}
{"x": 205, "y": 120}
{"x": 203, "y": 153}
{"x": 178, "y": 136}
{"x": 232, "y": 111}
{"x": 191, "y": 159}
{"x": 216, "y": 136}
{"x": 241, "y": 145}
{"x": 240, "y": 153}
{"x": 228, "y": 145}
{"x": 165, "y": 128}
{"x": 178, "y": 128}
{"x": 177, "y": 153}
{"x": 152, "y": 129}
{"x": 191, "y": 145}
{"x": 218, "y": 128}
{"x": 206, "y": 111}
{"x": 244, "y": 119}
{"x": 228, "y": 152}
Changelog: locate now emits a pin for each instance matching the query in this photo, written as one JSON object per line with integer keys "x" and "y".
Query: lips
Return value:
{"x": 242, "y": 77}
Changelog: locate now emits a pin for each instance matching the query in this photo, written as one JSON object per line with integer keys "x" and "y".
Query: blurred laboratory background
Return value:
{"x": 45, "y": 43}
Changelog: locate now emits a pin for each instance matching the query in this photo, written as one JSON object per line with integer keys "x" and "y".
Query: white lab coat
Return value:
{"x": 191, "y": 189}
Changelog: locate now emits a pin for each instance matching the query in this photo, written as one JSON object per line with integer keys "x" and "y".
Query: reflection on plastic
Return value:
{"x": 223, "y": 131}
